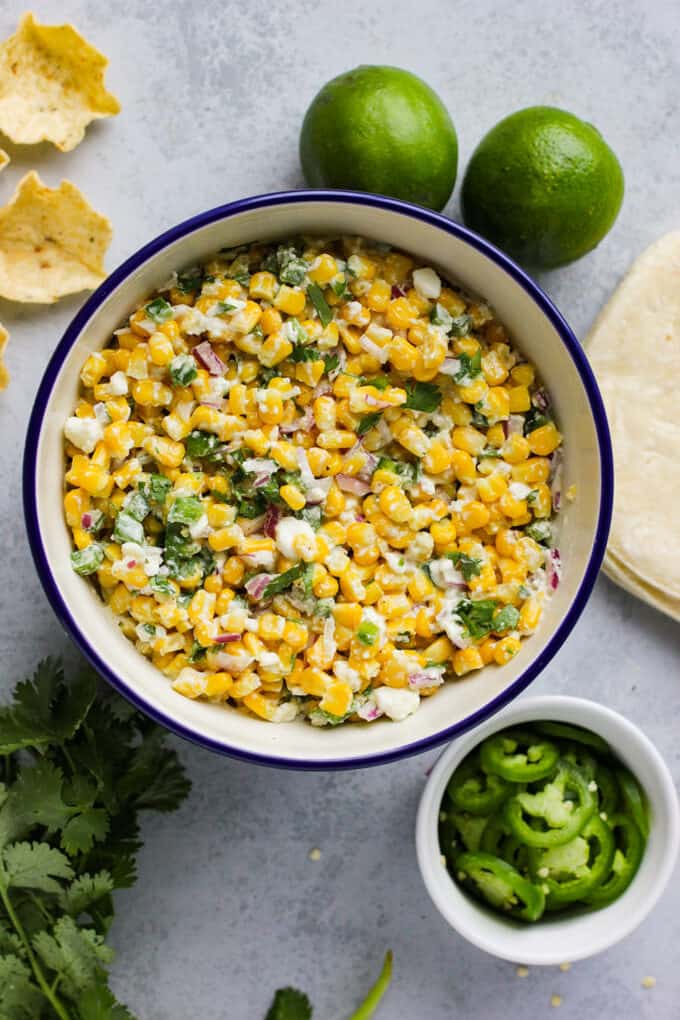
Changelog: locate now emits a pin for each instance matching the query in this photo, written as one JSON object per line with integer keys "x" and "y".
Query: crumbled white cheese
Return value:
{"x": 289, "y": 531}
{"x": 200, "y": 528}
{"x": 118, "y": 384}
{"x": 519, "y": 490}
{"x": 427, "y": 283}
{"x": 84, "y": 433}
{"x": 395, "y": 702}
{"x": 444, "y": 574}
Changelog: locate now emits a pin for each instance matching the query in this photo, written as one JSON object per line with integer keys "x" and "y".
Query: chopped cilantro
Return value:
{"x": 197, "y": 652}
{"x": 289, "y": 1004}
{"x": 159, "y": 310}
{"x": 331, "y": 362}
{"x": 423, "y": 396}
{"x": 479, "y": 419}
{"x": 477, "y": 617}
{"x": 319, "y": 301}
{"x": 340, "y": 288}
{"x": 381, "y": 382}
{"x": 534, "y": 420}
{"x": 506, "y": 618}
{"x": 468, "y": 565}
{"x": 439, "y": 316}
{"x": 460, "y": 325}
{"x": 302, "y": 353}
{"x": 470, "y": 367}
{"x": 88, "y": 560}
{"x": 368, "y": 422}
{"x": 284, "y": 581}
{"x": 155, "y": 488}
{"x": 222, "y": 307}
{"x": 201, "y": 444}
{"x": 540, "y": 531}
{"x": 190, "y": 281}
{"x": 161, "y": 586}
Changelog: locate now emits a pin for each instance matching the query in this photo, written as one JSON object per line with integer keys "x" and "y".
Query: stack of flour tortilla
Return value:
{"x": 634, "y": 348}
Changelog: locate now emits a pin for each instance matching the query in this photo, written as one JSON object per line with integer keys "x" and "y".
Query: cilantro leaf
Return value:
{"x": 98, "y": 1003}
{"x": 319, "y": 301}
{"x": 76, "y": 955}
{"x": 84, "y": 892}
{"x": 477, "y": 617}
{"x": 20, "y": 999}
{"x": 45, "y": 709}
{"x": 423, "y": 396}
{"x": 533, "y": 420}
{"x": 80, "y": 833}
{"x": 302, "y": 353}
{"x": 290, "y": 1004}
{"x": 33, "y": 866}
{"x": 331, "y": 362}
{"x": 159, "y": 310}
{"x": 38, "y": 797}
{"x": 460, "y": 325}
{"x": 367, "y": 422}
{"x": 506, "y": 618}
{"x": 154, "y": 779}
{"x": 468, "y": 565}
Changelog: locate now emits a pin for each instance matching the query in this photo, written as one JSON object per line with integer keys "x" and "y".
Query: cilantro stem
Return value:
{"x": 370, "y": 1003}
{"x": 57, "y": 1006}
{"x": 68, "y": 757}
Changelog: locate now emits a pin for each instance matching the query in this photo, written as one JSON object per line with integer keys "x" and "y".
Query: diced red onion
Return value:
{"x": 554, "y": 569}
{"x": 381, "y": 354}
{"x": 131, "y": 564}
{"x": 256, "y": 585}
{"x": 374, "y": 402}
{"x": 359, "y": 517}
{"x": 397, "y": 291}
{"x": 369, "y": 466}
{"x": 302, "y": 424}
{"x": 450, "y": 366}
{"x": 369, "y": 711}
{"x": 321, "y": 388}
{"x": 207, "y": 357}
{"x": 217, "y": 404}
{"x": 271, "y": 519}
{"x": 225, "y": 639}
{"x": 262, "y": 477}
{"x": 541, "y": 400}
{"x": 505, "y": 425}
{"x": 86, "y": 521}
{"x": 425, "y": 678}
{"x": 348, "y": 483}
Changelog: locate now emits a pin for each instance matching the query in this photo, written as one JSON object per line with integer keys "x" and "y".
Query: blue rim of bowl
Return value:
{"x": 224, "y": 212}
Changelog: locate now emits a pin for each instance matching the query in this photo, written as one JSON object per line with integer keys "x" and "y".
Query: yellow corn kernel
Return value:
{"x": 473, "y": 393}
{"x": 536, "y": 469}
{"x": 247, "y": 683}
{"x": 443, "y": 532}
{"x": 541, "y": 502}
{"x": 438, "y": 458}
{"x": 378, "y": 296}
{"x": 166, "y": 451}
{"x": 492, "y": 488}
{"x": 396, "y": 267}
{"x": 324, "y": 409}
{"x": 523, "y": 374}
{"x": 515, "y": 449}
{"x": 127, "y": 474}
{"x": 120, "y": 599}
{"x": 400, "y": 313}
{"x": 395, "y": 504}
{"x": 315, "y": 681}
{"x": 394, "y": 606}
{"x": 218, "y": 685}
{"x": 506, "y": 649}
{"x": 439, "y": 651}
{"x": 469, "y": 439}
{"x": 511, "y": 506}
{"x": 495, "y": 436}
{"x": 464, "y": 467}
{"x": 467, "y": 659}
{"x": 420, "y": 586}
{"x": 93, "y": 369}
{"x": 529, "y": 616}
{"x": 161, "y": 350}
{"x": 309, "y": 372}
{"x": 323, "y": 269}
{"x": 289, "y": 300}
{"x": 487, "y": 650}
{"x": 224, "y": 538}
{"x": 275, "y": 349}
{"x": 475, "y": 515}
{"x": 76, "y": 503}
{"x": 337, "y": 699}
{"x": 270, "y": 407}
{"x": 271, "y": 321}
{"x": 81, "y": 538}
{"x": 95, "y": 480}
{"x": 347, "y": 614}
{"x": 295, "y": 635}
{"x": 519, "y": 399}
{"x": 410, "y": 436}
{"x": 403, "y": 355}
{"x": 213, "y": 584}
{"x": 495, "y": 372}
{"x": 291, "y": 495}
{"x": 544, "y": 440}
{"x": 336, "y": 439}
{"x": 263, "y": 286}
{"x": 496, "y": 404}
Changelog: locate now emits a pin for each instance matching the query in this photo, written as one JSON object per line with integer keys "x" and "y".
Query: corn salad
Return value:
{"x": 313, "y": 479}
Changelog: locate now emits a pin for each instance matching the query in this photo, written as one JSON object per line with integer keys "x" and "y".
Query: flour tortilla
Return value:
{"x": 625, "y": 579}
{"x": 634, "y": 348}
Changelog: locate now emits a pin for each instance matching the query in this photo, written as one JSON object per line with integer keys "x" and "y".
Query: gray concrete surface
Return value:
{"x": 228, "y": 905}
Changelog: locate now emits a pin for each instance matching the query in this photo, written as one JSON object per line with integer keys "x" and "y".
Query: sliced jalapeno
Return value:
{"x": 460, "y": 831}
{"x": 579, "y": 755}
{"x": 633, "y": 799}
{"x": 473, "y": 790}
{"x": 568, "y": 732}
{"x": 500, "y": 885}
{"x": 629, "y": 845}
{"x": 554, "y": 814}
{"x": 519, "y": 756}
{"x": 608, "y": 790}
{"x": 570, "y": 872}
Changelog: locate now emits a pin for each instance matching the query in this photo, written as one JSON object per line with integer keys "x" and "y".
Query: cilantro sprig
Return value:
{"x": 77, "y": 766}
{"x": 290, "y": 1004}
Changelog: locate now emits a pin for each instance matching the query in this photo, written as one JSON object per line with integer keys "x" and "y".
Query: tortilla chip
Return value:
{"x": 51, "y": 85}
{"x": 4, "y": 159}
{"x": 52, "y": 242}
{"x": 4, "y": 374}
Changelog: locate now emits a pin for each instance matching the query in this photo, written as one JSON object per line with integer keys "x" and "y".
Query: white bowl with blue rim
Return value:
{"x": 538, "y": 330}
{"x": 555, "y": 938}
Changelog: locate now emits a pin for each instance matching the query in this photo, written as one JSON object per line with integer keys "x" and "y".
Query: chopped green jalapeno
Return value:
{"x": 471, "y": 789}
{"x": 469, "y": 828}
{"x": 608, "y": 790}
{"x": 519, "y": 756}
{"x": 625, "y": 862}
{"x": 579, "y": 755}
{"x": 501, "y": 885}
{"x": 572, "y": 871}
{"x": 633, "y": 799}
{"x": 88, "y": 560}
{"x": 554, "y": 814}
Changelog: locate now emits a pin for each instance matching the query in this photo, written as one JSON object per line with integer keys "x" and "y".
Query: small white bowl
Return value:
{"x": 539, "y": 331}
{"x": 551, "y": 942}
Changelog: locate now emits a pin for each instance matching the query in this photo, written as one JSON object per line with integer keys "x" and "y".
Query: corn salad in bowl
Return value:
{"x": 313, "y": 480}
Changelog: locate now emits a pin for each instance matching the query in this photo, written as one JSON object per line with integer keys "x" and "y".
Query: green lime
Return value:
{"x": 383, "y": 130}
{"x": 544, "y": 186}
